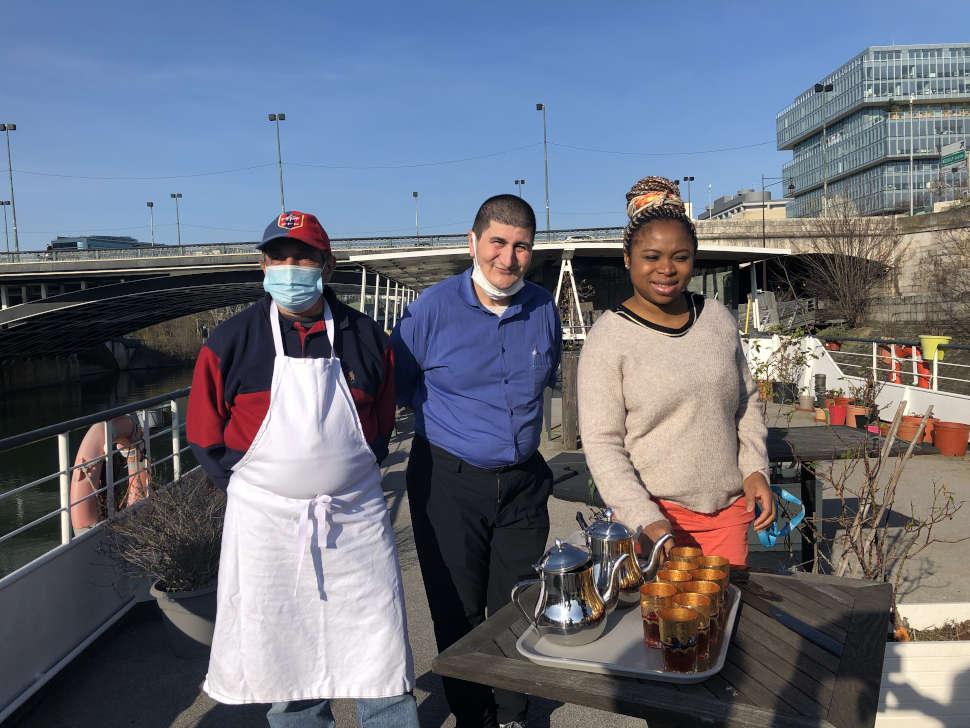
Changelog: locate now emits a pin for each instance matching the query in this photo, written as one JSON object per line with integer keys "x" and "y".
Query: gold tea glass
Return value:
{"x": 680, "y": 565}
{"x": 721, "y": 578}
{"x": 678, "y": 638}
{"x": 714, "y": 562}
{"x": 702, "y": 604}
{"x": 671, "y": 576}
{"x": 686, "y": 553}
{"x": 712, "y": 590}
{"x": 654, "y": 597}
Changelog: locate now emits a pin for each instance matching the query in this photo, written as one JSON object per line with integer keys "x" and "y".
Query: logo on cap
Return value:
{"x": 290, "y": 220}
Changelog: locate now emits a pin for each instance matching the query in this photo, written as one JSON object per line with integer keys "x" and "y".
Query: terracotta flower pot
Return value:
{"x": 950, "y": 438}
{"x": 832, "y": 346}
{"x": 837, "y": 414}
{"x": 907, "y": 430}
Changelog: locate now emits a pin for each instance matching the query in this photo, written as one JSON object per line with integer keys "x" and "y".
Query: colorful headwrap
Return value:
{"x": 652, "y": 199}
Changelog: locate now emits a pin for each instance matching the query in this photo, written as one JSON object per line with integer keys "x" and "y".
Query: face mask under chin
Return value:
{"x": 493, "y": 292}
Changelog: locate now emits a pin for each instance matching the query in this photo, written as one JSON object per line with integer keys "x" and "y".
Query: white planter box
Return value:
{"x": 926, "y": 684}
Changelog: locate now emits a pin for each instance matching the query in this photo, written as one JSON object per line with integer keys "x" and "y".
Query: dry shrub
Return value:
{"x": 173, "y": 535}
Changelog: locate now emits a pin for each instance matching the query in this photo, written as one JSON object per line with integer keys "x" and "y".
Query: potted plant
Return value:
{"x": 174, "y": 537}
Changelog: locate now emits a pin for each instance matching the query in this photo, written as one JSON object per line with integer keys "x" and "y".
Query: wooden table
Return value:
{"x": 806, "y": 445}
{"x": 807, "y": 651}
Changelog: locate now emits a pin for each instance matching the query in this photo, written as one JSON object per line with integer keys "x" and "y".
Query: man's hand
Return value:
{"x": 653, "y": 532}
{"x": 756, "y": 490}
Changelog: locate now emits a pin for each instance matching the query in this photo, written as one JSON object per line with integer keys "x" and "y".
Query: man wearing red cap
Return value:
{"x": 291, "y": 409}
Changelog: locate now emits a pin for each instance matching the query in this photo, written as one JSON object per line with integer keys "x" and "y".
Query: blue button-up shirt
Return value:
{"x": 475, "y": 380}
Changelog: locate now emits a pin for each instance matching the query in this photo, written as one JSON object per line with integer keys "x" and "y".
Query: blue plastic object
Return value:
{"x": 779, "y": 529}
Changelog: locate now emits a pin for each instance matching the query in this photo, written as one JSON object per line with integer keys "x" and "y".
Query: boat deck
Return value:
{"x": 129, "y": 677}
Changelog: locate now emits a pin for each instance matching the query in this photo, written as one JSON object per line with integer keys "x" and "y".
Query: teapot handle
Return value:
{"x": 516, "y": 593}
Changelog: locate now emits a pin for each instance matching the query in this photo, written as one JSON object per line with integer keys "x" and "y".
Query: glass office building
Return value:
{"x": 854, "y": 134}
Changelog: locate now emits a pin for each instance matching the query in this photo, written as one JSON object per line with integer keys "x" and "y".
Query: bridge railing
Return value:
{"x": 161, "y": 447}
{"x": 248, "y": 248}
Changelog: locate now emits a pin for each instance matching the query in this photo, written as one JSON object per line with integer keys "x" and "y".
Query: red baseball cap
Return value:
{"x": 300, "y": 226}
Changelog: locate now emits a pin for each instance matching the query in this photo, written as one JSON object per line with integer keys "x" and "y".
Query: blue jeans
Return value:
{"x": 399, "y": 711}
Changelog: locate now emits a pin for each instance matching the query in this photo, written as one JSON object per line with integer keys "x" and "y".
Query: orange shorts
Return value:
{"x": 724, "y": 533}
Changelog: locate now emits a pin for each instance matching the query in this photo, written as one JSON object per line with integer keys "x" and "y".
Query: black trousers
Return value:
{"x": 477, "y": 533}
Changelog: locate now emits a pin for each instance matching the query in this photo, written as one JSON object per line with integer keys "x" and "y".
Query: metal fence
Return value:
{"x": 161, "y": 438}
{"x": 249, "y": 248}
{"x": 900, "y": 361}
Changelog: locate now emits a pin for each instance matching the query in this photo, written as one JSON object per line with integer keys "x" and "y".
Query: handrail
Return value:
{"x": 12, "y": 441}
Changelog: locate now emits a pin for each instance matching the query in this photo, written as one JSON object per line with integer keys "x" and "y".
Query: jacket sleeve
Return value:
{"x": 752, "y": 430}
{"x": 207, "y": 417}
{"x": 384, "y": 405}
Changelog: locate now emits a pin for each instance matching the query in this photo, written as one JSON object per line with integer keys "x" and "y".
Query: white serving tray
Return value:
{"x": 622, "y": 651}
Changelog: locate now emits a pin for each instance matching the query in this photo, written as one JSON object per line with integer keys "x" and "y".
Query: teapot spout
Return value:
{"x": 614, "y": 583}
{"x": 650, "y": 568}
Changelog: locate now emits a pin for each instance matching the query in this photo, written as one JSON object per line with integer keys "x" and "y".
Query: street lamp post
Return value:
{"x": 912, "y": 125}
{"x": 277, "y": 118}
{"x": 545, "y": 155}
{"x": 178, "y": 219}
{"x": 417, "y": 226}
{"x": 690, "y": 204}
{"x": 6, "y": 232}
{"x": 151, "y": 220}
{"x": 7, "y": 128}
{"x": 518, "y": 186}
{"x": 824, "y": 88}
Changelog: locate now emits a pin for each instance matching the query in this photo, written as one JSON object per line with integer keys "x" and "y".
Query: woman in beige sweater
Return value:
{"x": 672, "y": 428}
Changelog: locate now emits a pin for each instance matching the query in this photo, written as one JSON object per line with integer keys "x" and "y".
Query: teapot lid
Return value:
{"x": 606, "y": 529}
{"x": 562, "y": 557}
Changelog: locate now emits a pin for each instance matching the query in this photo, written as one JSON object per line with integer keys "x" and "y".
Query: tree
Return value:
{"x": 946, "y": 271}
{"x": 846, "y": 259}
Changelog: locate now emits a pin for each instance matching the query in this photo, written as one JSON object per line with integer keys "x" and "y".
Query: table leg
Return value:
{"x": 811, "y": 499}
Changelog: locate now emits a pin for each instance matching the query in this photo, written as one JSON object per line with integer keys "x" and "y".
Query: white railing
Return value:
{"x": 161, "y": 438}
{"x": 249, "y": 248}
{"x": 899, "y": 361}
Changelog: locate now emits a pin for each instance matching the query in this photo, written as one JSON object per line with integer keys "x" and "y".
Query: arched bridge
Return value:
{"x": 58, "y": 302}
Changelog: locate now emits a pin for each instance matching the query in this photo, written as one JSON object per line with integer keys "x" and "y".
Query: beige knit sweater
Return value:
{"x": 674, "y": 418}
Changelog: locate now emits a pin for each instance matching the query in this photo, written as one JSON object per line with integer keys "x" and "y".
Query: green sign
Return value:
{"x": 953, "y": 158}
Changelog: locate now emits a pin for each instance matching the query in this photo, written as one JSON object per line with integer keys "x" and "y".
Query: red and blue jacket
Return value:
{"x": 234, "y": 372}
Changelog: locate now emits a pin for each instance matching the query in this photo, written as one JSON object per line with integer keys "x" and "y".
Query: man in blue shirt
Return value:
{"x": 473, "y": 355}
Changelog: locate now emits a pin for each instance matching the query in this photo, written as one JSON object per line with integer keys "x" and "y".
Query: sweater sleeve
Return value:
{"x": 752, "y": 431}
{"x": 602, "y": 424}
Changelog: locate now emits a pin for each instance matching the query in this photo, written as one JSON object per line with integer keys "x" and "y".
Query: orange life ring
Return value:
{"x": 89, "y": 465}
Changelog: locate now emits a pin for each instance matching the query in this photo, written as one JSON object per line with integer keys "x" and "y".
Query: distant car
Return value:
{"x": 579, "y": 237}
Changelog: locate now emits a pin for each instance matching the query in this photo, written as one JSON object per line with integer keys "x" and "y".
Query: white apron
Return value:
{"x": 310, "y": 601}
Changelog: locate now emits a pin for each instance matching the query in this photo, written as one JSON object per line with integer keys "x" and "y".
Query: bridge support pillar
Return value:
{"x": 3, "y": 298}
{"x": 43, "y": 291}
{"x": 363, "y": 287}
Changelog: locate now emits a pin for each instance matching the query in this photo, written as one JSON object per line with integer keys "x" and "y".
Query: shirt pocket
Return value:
{"x": 540, "y": 362}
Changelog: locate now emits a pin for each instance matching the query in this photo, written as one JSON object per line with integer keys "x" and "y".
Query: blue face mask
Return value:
{"x": 296, "y": 288}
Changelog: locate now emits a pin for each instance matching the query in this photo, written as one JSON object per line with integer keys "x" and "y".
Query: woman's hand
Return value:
{"x": 756, "y": 490}
{"x": 654, "y": 532}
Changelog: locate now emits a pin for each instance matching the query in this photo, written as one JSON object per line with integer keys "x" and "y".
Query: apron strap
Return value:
{"x": 318, "y": 511}
{"x": 274, "y": 322}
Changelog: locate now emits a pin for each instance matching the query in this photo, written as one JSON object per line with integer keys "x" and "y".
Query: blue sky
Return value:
{"x": 373, "y": 92}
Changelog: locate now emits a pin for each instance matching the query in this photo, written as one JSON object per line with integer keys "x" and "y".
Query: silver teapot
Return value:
{"x": 611, "y": 543}
{"x": 570, "y": 610}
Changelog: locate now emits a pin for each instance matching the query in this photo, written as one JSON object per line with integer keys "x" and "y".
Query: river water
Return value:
{"x": 28, "y": 409}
